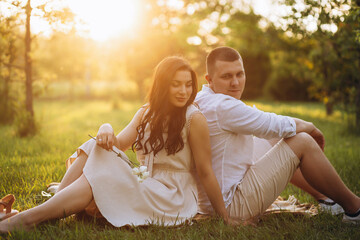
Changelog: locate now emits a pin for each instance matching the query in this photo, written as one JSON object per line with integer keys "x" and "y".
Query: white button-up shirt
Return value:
{"x": 232, "y": 125}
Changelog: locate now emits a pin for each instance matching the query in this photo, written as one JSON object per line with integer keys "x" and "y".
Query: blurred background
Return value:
{"x": 293, "y": 50}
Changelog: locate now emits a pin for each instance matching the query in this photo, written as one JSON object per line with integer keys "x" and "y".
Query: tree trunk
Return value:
{"x": 28, "y": 63}
{"x": 329, "y": 108}
{"x": 357, "y": 108}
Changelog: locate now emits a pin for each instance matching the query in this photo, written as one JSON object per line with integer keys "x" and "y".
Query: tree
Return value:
{"x": 347, "y": 43}
{"x": 160, "y": 37}
{"x": 254, "y": 45}
{"x": 28, "y": 64}
{"x": 336, "y": 51}
{"x": 9, "y": 70}
{"x": 325, "y": 17}
{"x": 212, "y": 23}
{"x": 51, "y": 16}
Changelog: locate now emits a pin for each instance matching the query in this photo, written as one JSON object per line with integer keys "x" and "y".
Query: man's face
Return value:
{"x": 228, "y": 78}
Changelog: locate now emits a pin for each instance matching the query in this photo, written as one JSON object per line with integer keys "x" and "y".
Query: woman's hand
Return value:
{"x": 105, "y": 137}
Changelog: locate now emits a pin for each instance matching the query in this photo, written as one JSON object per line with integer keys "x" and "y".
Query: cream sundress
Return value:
{"x": 167, "y": 197}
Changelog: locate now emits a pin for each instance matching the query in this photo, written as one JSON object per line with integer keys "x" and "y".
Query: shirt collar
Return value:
{"x": 207, "y": 89}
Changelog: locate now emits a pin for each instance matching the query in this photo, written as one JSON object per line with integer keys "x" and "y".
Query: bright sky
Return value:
{"x": 109, "y": 18}
{"x": 99, "y": 20}
{"x": 116, "y": 17}
{"x": 104, "y": 19}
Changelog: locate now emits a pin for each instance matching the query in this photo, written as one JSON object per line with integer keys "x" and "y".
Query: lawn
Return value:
{"x": 28, "y": 164}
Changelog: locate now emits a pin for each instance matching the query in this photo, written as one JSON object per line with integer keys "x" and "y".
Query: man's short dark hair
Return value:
{"x": 227, "y": 54}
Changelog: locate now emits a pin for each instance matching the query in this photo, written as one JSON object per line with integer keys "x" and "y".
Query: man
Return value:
{"x": 250, "y": 185}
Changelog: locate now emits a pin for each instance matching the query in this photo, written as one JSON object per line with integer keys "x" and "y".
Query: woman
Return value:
{"x": 172, "y": 139}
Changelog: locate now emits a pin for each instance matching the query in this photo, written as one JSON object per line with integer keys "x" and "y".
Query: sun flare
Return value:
{"x": 107, "y": 18}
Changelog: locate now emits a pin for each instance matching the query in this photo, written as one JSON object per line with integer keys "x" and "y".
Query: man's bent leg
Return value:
{"x": 263, "y": 182}
{"x": 299, "y": 181}
{"x": 320, "y": 174}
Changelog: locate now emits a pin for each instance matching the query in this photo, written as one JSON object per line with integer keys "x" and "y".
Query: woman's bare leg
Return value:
{"x": 74, "y": 172}
{"x": 320, "y": 174}
{"x": 70, "y": 200}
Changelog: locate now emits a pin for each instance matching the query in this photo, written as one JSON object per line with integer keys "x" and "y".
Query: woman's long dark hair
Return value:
{"x": 161, "y": 115}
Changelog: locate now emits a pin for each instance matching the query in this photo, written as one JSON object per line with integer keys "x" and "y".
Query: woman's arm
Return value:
{"x": 124, "y": 139}
{"x": 200, "y": 146}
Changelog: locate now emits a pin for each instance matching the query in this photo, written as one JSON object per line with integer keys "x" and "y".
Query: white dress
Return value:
{"x": 167, "y": 197}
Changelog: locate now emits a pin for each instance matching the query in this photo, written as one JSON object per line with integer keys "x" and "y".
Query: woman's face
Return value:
{"x": 180, "y": 88}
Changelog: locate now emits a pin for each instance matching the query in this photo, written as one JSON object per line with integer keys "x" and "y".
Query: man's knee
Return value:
{"x": 301, "y": 138}
{"x": 301, "y": 143}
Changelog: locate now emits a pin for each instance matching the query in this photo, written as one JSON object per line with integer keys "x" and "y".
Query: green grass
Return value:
{"x": 28, "y": 164}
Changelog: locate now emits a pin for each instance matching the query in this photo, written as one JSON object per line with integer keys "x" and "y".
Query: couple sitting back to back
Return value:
{"x": 198, "y": 160}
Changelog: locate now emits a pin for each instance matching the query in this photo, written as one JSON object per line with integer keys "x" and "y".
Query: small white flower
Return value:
{"x": 143, "y": 169}
{"x": 140, "y": 180}
{"x": 145, "y": 175}
{"x": 135, "y": 171}
{"x": 141, "y": 173}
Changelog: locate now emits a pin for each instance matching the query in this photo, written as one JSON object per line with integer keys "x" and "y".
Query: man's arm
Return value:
{"x": 308, "y": 127}
{"x": 235, "y": 116}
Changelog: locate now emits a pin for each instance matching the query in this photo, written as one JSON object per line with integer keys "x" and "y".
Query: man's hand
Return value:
{"x": 105, "y": 137}
{"x": 308, "y": 127}
{"x": 319, "y": 137}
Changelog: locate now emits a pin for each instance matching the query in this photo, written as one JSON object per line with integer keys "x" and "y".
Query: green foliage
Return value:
{"x": 9, "y": 72}
{"x": 349, "y": 74}
{"x": 291, "y": 76}
{"x": 253, "y": 44}
{"x": 334, "y": 54}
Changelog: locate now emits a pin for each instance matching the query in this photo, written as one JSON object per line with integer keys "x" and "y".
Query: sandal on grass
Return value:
{"x": 5, "y": 207}
{"x": 53, "y": 187}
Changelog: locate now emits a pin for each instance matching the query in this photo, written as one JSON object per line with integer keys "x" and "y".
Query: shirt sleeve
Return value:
{"x": 235, "y": 116}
